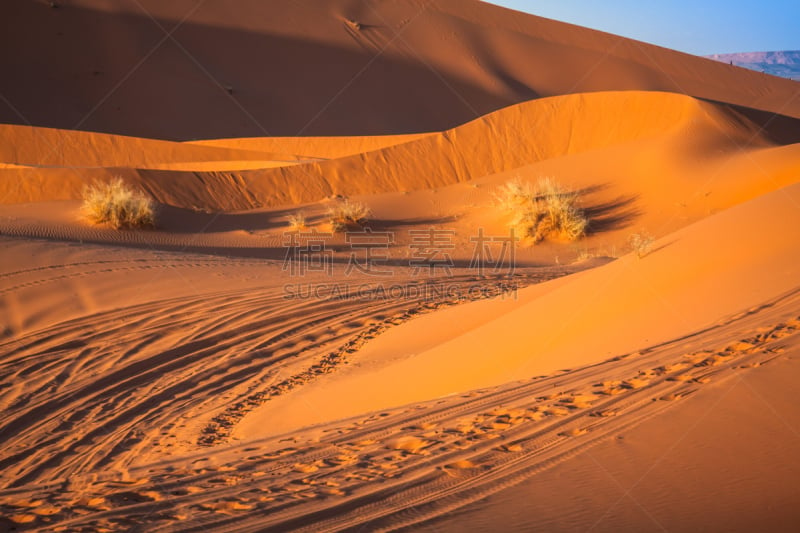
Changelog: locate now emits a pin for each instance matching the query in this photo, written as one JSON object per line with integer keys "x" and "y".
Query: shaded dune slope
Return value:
{"x": 339, "y": 67}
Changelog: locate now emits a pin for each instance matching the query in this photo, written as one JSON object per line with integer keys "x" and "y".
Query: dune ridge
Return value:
{"x": 382, "y": 68}
{"x": 507, "y": 139}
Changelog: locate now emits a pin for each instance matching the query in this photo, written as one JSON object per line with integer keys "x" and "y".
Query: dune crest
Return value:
{"x": 502, "y": 141}
{"x": 241, "y": 68}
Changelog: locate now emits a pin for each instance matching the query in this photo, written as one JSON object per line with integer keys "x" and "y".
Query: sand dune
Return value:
{"x": 682, "y": 288}
{"x": 502, "y": 141}
{"x": 241, "y": 69}
{"x": 186, "y": 376}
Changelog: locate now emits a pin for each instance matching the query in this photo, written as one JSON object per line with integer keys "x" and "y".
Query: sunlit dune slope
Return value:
{"x": 244, "y": 68}
{"x": 694, "y": 278}
{"x": 502, "y": 141}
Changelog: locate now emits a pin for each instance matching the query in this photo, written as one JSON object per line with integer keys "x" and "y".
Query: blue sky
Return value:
{"x": 698, "y": 27}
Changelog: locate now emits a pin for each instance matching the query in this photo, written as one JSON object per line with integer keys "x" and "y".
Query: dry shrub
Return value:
{"x": 297, "y": 221}
{"x": 347, "y": 214}
{"x": 117, "y": 205}
{"x": 542, "y": 211}
{"x": 515, "y": 195}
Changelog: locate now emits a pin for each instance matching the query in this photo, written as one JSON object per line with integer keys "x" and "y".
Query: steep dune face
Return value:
{"x": 247, "y": 68}
{"x": 505, "y": 140}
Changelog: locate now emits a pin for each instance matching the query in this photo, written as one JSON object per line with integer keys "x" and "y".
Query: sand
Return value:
{"x": 185, "y": 377}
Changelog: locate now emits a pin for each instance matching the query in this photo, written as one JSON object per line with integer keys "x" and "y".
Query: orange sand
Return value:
{"x": 180, "y": 377}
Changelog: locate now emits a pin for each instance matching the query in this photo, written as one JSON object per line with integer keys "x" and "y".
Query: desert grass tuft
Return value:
{"x": 346, "y": 214}
{"x": 542, "y": 211}
{"x": 297, "y": 221}
{"x": 642, "y": 243}
{"x": 119, "y": 206}
{"x": 514, "y": 195}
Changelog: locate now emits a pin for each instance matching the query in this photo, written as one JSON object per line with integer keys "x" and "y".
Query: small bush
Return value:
{"x": 348, "y": 214}
{"x": 297, "y": 221}
{"x": 514, "y": 195}
{"x": 642, "y": 243}
{"x": 545, "y": 210}
{"x": 117, "y": 205}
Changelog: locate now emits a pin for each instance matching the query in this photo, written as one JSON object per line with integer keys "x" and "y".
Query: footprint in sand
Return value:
{"x": 580, "y": 401}
{"x": 425, "y": 426}
{"x": 636, "y": 383}
{"x": 605, "y": 414}
{"x": 534, "y": 414}
{"x": 557, "y": 410}
{"x": 24, "y": 504}
{"x": 226, "y": 506}
{"x": 510, "y": 448}
{"x": 669, "y": 369}
{"x": 671, "y": 397}
{"x": 97, "y": 503}
{"x": 413, "y": 445}
{"x": 458, "y": 468}
{"x": 754, "y": 364}
{"x": 24, "y": 518}
{"x": 714, "y": 360}
{"x": 681, "y": 377}
{"x": 360, "y": 445}
{"x": 485, "y": 436}
{"x": 305, "y": 468}
{"x": 742, "y": 346}
{"x": 341, "y": 460}
{"x": 47, "y": 510}
{"x": 149, "y": 495}
{"x": 457, "y": 445}
{"x": 697, "y": 357}
{"x": 500, "y": 424}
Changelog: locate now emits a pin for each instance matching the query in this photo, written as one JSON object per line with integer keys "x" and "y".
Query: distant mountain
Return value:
{"x": 783, "y": 64}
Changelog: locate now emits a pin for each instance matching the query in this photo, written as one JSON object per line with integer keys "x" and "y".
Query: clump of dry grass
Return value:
{"x": 515, "y": 195}
{"x": 117, "y": 205}
{"x": 347, "y": 214}
{"x": 641, "y": 243}
{"x": 545, "y": 210}
{"x": 297, "y": 221}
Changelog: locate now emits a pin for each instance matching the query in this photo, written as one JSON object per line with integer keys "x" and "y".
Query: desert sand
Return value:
{"x": 197, "y": 375}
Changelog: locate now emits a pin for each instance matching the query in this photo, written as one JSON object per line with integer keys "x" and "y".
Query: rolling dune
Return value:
{"x": 189, "y": 377}
{"x": 502, "y": 141}
{"x": 241, "y": 69}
